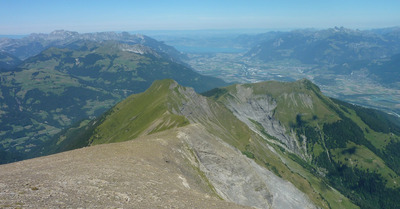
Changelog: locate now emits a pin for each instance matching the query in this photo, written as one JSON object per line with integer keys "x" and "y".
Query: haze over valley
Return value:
{"x": 357, "y": 66}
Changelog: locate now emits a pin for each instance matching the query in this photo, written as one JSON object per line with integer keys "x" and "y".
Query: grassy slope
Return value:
{"x": 297, "y": 98}
{"x": 139, "y": 114}
{"x": 365, "y": 159}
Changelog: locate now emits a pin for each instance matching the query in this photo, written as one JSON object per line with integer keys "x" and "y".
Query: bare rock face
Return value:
{"x": 138, "y": 49}
{"x": 157, "y": 171}
{"x": 237, "y": 178}
{"x": 260, "y": 108}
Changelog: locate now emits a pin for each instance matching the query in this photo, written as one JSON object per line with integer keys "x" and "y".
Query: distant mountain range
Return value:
{"x": 78, "y": 80}
{"x": 330, "y": 46}
{"x": 340, "y": 50}
{"x": 37, "y": 42}
{"x": 384, "y": 71}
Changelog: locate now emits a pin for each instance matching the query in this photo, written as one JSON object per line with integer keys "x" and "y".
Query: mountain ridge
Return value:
{"x": 319, "y": 151}
{"x": 207, "y": 135}
{"x": 211, "y": 119}
{"x": 330, "y": 46}
{"x": 318, "y": 132}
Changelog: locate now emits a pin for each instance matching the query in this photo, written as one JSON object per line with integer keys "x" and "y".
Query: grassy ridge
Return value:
{"x": 143, "y": 113}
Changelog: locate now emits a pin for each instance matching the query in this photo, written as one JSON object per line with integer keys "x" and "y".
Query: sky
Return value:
{"x": 18, "y": 17}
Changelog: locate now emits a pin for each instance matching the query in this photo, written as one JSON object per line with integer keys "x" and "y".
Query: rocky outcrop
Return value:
{"x": 256, "y": 110}
{"x": 237, "y": 178}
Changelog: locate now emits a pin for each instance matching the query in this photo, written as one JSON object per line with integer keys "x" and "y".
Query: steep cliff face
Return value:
{"x": 258, "y": 111}
{"x": 235, "y": 177}
{"x": 275, "y": 109}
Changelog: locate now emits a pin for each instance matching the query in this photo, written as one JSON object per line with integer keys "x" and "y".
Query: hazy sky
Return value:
{"x": 28, "y": 16}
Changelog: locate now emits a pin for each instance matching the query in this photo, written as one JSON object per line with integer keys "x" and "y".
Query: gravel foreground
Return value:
{"x": 150, "y": 172}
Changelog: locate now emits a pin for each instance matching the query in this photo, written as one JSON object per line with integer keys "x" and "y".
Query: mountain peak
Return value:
{"x": 165, "y": 84}
{"x": 138, "y": 49}
{"x": 54, "y": 35}
{"x": 37, "y": 42}
{"x": 62, "y": 32}
{"x": 309, "y": 85}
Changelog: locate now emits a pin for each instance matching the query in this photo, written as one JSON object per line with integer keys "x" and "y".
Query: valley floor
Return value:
{"x": 356, "y": 88}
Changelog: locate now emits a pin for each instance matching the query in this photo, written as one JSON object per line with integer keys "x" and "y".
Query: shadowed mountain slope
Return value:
{"x": 8, "y": 61}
